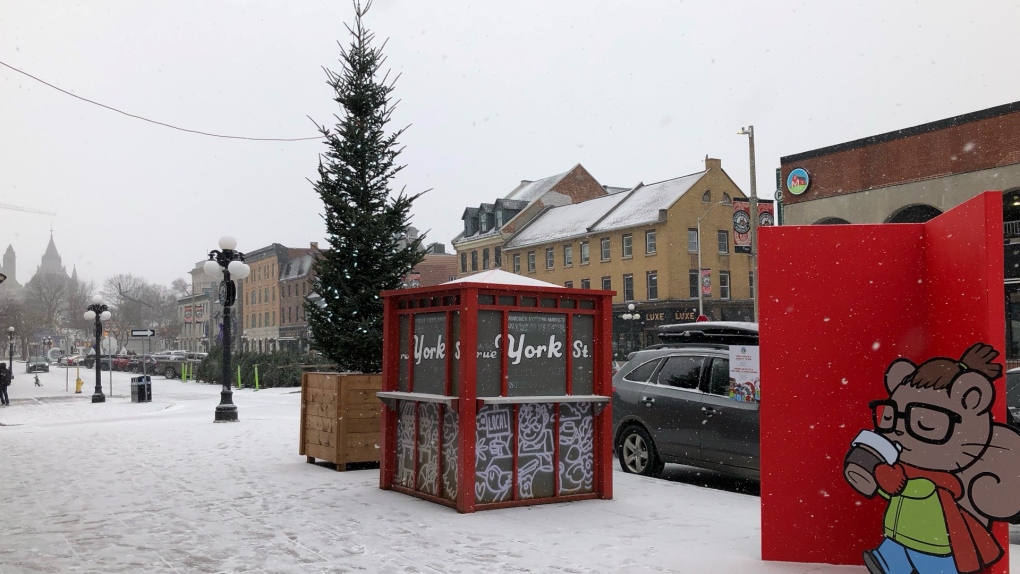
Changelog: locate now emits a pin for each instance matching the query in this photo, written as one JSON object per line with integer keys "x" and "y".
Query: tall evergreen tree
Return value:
{"x": 366, "y": 225}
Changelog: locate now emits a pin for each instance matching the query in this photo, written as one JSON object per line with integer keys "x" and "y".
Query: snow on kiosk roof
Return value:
{"x": 500, "y": 277}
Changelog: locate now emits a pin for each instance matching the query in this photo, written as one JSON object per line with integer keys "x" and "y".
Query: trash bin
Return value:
{"x": 141, "y": 389}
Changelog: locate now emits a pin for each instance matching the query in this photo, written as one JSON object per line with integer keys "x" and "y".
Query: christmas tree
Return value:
{"x": 366, "y": 225}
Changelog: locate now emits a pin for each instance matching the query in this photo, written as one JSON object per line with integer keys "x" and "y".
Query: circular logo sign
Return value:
{"x": 706, "y": 281}
{"x": 766, "y": 219}
{"x": 741, "y": 222}
{"x": 798, "y": 181}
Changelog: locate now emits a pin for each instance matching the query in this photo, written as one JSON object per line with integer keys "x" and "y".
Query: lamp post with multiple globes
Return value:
{"x": 226, "y": 264}
{"x": 632, "y": 318}
{"x": 98, "y": 312}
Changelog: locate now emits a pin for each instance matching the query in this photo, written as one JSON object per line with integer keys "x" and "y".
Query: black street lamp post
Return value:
{"x": 98, "y": 312}
{"x": 10, "y": 343}
{"x": 631, "y": 318}
{"x": 221, "y": 265}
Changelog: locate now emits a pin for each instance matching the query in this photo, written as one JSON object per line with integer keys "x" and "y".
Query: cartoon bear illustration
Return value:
{"x": 947, "y": 470}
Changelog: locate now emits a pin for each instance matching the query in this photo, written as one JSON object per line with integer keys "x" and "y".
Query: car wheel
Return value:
{"x": 170, "y": 373}
{"x": 637, "y": 453}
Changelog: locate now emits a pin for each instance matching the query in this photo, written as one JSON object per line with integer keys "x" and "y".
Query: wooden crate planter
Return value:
{"x": 341, "y": 418}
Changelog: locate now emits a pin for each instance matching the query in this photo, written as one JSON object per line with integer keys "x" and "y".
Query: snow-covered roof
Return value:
{"x": 565, "y": 221}
{"x": 532, "y": 190}
{"x": 500, "y": 277}
{"x": 643, "y": 204}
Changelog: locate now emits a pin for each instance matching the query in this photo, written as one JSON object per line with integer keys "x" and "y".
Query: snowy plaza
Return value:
{"x": 158, "y": 487}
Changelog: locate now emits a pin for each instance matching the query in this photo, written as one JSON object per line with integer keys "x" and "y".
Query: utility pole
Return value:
{"x": 749, "y": 131}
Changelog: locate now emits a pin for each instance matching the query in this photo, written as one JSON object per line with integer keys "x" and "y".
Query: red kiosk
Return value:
{"x": 522, "y": 418}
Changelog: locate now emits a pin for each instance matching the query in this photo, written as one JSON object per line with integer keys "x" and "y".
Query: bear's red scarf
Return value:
{"x": 973, "y": 545}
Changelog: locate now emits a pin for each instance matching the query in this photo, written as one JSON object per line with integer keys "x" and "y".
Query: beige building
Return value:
{"x": 479, "y": 246}
{"x": 259, "y": 297}
{"x": 644, "y": 244}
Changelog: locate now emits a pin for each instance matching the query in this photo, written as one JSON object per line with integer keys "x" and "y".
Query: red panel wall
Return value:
{"x": 838, "y": 304}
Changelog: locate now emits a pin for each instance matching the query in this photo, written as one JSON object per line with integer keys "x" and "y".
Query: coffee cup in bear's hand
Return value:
{"x": 859, "y": 469}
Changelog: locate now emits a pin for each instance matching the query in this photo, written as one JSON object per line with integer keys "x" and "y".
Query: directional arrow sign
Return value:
{"x": 143, "y": 333}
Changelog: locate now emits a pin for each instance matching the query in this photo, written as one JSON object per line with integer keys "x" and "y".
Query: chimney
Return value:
{"x": 712, "y": 163}
{"x": 437, "y": 249}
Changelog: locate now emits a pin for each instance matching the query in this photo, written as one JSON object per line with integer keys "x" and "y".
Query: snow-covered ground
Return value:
{"x": 158, "y": 487}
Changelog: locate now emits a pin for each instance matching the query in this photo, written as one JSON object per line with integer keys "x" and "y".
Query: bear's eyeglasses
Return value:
{"x": 927, "y": 423}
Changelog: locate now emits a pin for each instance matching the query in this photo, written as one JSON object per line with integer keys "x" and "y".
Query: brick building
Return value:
{"x": 259, "y": 296}
{"x": 479, "y": 246}
{"x": 644, "y": 244}
{"x": 295, "y": 285}
{"x": 912, "y": 175}
{"x": 437, "y": 267}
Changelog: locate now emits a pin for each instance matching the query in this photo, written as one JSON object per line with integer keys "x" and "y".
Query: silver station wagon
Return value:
{"x": 675, "y": 402}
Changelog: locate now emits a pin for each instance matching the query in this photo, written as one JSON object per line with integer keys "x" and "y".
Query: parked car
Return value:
{"x": 671, "y": 403}
{"x": 105, "y": 365}
{"x": 120, "y": 362}
{"x": 37, "y": 365}
{"x": 69, "y": 360}
{"x": 135, "y": 364}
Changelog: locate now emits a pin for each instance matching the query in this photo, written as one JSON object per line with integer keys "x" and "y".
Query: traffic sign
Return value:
{"x": 143, "y": 333}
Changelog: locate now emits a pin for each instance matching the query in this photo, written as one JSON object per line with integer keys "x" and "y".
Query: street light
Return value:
{"x": 749, "y": 132}
{"x": 632, "y": 318}
{"x": 98, "y": 312}
{"x": 221, "y": 265}
{"x": 701, "y": 307}
{"x": 10, "y": 343}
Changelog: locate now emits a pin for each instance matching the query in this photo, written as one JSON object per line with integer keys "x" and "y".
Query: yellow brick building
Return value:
{"x": 644, "y": 244}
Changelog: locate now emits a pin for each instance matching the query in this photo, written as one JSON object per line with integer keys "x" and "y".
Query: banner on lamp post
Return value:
{"x": 706, "y": 282}
{"x": 742, "y": 222}
{"x": 187, "y": 313}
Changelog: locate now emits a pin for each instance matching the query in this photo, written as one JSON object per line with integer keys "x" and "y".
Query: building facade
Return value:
{"x": 645, "y": 245}
{"x": 295, "y": 286}
{"x": 912, "y": 175}
{"x": 486, "y": 227}
{"x": 259, "y": 296}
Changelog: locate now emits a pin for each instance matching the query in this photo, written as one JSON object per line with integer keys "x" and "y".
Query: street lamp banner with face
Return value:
{"x": 187, "y": 313}
{"x": 742, "y": 222}
{"x": 706, "y": 282}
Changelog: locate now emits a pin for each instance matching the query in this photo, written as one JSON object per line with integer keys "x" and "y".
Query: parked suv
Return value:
{"x": 671, "y": 403}
{"x": 1013, "y": 396}
{"x": 135, "y": 364}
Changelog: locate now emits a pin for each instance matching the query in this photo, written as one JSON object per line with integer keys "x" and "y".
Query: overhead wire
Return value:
{"x": 144, "y": 119}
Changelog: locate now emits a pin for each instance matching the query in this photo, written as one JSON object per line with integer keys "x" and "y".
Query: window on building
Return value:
{"x": 485, "y": 258}
{"x": 750, "y": 283}
{"x": 497, "y": 260}
{"x": 607, "y": 283}
{"x": 531, "y": 262}
{"x": 724, "y": 284}
{"x": 550, "y": 258}
{"x": 274, "y": 292}
{"x": 693, "y": 275}
{"x": 628, "y": 287}
{"x": 267, "y": 318}
{"x": 585, "y": 283}
{"x": 474, "y": 261}
{"x": 652, "y": 280}
{"x": 692, "y": 240}
{"x": 724, "y": 241}
{"x": 726, "y": 198}
{"x": 707, "y": 196}
{"x": 517, "y": 262}
{"x": 463, "y": 262}
{"x": 605, "y": 249}
{"x": 569, "y": 284}
{"x": 584, "y": 252}
{"x": 628, "y": 245}
{"x": 568, "y": 255}
{"x": 650, "y": 241}
{"x": 274, "y": 319}
{"x": 260, "y": 320}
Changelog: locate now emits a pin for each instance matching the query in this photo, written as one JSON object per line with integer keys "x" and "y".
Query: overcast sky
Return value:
{"x": 494, "y": 92}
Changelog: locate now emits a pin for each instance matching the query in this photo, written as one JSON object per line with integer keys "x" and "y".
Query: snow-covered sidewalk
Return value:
{"x": 158, "y": 487}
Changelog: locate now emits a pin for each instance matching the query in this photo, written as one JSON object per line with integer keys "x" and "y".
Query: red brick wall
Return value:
{"x": 972, "y": 146}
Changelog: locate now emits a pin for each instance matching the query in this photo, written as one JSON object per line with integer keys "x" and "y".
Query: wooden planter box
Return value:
{"x": 341, "y": 418}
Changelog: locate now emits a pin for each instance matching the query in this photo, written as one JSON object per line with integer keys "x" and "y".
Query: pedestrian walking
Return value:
{"x": 37, "y": 383}
{"x": 5, "y": 381}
